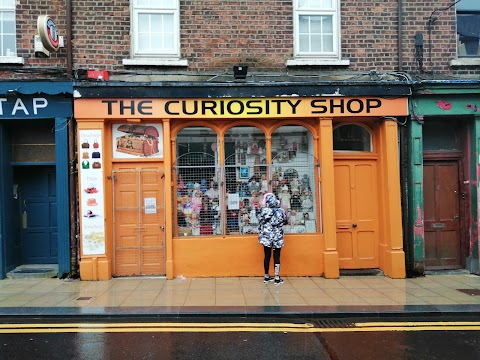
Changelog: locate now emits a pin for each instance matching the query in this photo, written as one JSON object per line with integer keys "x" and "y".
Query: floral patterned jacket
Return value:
{"x": 271, "y": 218}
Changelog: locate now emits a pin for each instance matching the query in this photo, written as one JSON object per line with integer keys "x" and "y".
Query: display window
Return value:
{"x": 220, "y": 190}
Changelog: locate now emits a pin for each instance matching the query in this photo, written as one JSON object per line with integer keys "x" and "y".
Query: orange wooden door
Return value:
{"x": 139, "y": 219}
{"x": 442, "y": 214}
{"x": 356, "y": 209}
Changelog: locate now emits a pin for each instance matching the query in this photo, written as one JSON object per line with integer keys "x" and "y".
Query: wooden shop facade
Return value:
{"x": 171, "y": 175}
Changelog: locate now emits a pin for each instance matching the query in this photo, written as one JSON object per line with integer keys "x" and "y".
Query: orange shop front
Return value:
{"x": 169, "y": 186}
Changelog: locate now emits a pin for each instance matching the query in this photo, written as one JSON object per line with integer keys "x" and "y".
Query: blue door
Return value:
{"x": 38, "y": 220}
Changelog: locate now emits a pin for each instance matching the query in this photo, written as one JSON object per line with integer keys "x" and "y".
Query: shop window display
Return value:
{"x": 196, "y": 172}
{"x": 246, "y": 178}
{"x": 293, "y": 173}
{"x": 219, "y": 199}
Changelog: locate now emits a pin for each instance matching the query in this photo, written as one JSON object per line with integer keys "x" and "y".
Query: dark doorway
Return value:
{"x": 36, "y": 192}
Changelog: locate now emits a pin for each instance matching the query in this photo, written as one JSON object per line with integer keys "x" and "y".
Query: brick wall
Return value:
{"x": 215, "y": 35}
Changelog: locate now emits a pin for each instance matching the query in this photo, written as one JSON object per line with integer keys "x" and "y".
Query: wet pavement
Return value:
{"x": 438, "y": 294}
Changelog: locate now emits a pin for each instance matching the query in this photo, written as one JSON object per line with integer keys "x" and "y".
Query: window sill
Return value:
{"x": 155, "y": 62}
{"x": 12, "y": 60}
{"x": 317, "y": 62}
{"x": 465, "y": 62}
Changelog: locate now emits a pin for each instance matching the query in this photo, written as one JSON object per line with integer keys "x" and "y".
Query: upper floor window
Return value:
{"x": 8, "y": 45}
{"x": 468, "y": 28}
{"x": 316, "y": 28}
{"x": 156, "y": 28}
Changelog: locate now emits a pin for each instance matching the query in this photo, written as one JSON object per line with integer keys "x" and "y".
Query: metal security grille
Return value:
{"x": 197, "y": 195}
{"x": 139, "y": 222}
{"x": 218, "y": 200}
{"x": 294, "y": 179}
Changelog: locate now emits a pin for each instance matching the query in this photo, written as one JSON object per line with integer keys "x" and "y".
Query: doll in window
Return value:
{"x": 197, "y": 201}
{"x": 307, "y": 201}
{"x": 284, "y": 197}
{"x": 295, "y": 201}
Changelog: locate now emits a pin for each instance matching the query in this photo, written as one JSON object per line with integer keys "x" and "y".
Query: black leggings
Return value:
{"x": 268, "y": 253}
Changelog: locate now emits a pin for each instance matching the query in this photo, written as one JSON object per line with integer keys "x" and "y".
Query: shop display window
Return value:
{"x": 223, "y": 199}
{"x": 197, "y": 183}
{"x": 293, "y": 173}
{"x": 352, "y": 137}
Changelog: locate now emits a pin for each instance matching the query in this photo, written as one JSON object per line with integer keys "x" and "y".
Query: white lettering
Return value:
{"x": 19, "y": 105}
{"x": 1, "y": 105}
{"x": 39, "y": 103}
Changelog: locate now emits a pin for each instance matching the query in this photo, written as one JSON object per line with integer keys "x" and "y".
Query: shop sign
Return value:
{"x": 21, "y": 107}
{"x": 240, "y": 108}
{"x": 92, "y": 192}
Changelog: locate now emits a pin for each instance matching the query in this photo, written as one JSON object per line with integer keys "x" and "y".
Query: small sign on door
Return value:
{"x": 150, "y": 205}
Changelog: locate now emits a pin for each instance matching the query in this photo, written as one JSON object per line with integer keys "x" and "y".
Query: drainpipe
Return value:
{"x": 72, "y": 185}
{"x": 72, "y": 156}
{"x": 400, "y": 35}
{"x": 69, "y": 39}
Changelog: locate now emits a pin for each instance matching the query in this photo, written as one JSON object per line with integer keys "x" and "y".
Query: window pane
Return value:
{"x": 304, "y": 24}
{"x": 468, "y": 29}
{"x": 327, "y": 24}
{"x": 246, "y": 178}
{"x": 196, "y": 179}
{"x": 7, "y": 4}
{"x": 316, "y": 24}
{"x": 292, "y": 175}
{"x": 351, "y": 137}
{"x": 304, "y": 45}
{"x": 156, "y": 3}
{"x": 9, "y": 45}
{"x": 155, "y": 33}
{"x": 327, "y": 43}
{"x": 316, "y": 45}
{"x": 315, "y": 4}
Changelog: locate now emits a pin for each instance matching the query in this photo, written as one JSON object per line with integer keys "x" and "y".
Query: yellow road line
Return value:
{"x": 236, "y": 329}
{"x": 419, "y": 323}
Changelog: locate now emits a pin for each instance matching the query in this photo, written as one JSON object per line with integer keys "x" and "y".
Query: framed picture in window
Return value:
{"x": 244, "y": 172}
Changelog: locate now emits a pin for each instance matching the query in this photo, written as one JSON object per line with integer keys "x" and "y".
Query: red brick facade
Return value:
{"x": 215, "y": 35}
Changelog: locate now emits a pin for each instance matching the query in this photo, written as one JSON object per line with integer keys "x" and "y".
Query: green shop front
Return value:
{"x": 442, "y": 143}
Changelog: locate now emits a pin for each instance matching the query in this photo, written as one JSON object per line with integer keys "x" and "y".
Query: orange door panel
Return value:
{"x": 139, "y": 219}
{"x": 356, "y": 210}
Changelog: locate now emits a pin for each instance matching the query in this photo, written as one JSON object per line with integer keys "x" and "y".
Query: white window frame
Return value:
{"x": 12, "y": 57}
{"x": 153, "y": 58}
{"x": 317, "y": 58}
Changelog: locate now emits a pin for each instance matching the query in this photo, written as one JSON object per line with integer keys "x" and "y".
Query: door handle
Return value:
{"x": 162, "y": 227}
{"x": 24, "y": 220}
{"x": 456, "y": 217}
{"x": 354, "y": 225}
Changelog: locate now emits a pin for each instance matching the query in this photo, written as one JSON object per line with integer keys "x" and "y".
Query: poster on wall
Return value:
{"x": 91, "y": 192}
{"x": 137, "y": 141}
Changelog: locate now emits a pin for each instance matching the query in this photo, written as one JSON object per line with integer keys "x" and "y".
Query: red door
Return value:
{"x": 442, "y": 214}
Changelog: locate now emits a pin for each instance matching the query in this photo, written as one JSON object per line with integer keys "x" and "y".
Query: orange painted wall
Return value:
{"x": 231, "y": 256}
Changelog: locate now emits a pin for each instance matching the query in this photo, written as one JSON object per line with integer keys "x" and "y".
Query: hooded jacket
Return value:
{"x": 270, "y": 221}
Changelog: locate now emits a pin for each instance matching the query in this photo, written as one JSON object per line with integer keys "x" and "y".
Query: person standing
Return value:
{"x": 271, "y": 219}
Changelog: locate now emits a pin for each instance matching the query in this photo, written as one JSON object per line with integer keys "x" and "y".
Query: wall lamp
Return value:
{"x": 240, "y": 71}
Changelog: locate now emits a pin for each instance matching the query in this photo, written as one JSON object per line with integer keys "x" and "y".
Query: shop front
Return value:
{"x": 443, "y": 139}
{"x": 34, "y": 194}
{"x": 170, "y": 184}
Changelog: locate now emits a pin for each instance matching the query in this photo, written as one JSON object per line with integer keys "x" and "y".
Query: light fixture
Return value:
{"x": 240, "y": 71}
